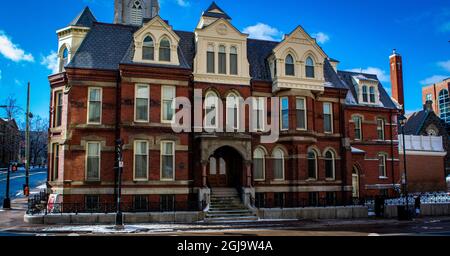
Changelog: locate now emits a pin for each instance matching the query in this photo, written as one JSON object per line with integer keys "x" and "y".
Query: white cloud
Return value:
{"x": 17, "y": 82}
{"x": 381, "y": 74}
{"x": 433, "y": 79}
{"x": 50, "y": 62}
{"x": 321, "y": 37}
{"x": 445, "y": 65}
{"x": 12, "y": 51}
{"x": 183, "y": 3}
{"x": 262, "y": 31}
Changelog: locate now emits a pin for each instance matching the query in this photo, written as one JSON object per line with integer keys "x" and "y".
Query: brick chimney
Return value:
{"x": 396, "y": 67}
{"x": 428, "y": 106}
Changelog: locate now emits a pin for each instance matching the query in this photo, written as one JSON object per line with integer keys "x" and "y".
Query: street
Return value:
{"x": 38, "y": 176}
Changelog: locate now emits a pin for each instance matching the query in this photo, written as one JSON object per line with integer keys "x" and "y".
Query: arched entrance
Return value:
{"x": 355, "y": 182}
{"x": 225, "y": 168}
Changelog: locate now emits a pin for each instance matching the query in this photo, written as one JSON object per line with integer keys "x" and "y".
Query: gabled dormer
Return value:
{"x": 366, "y": 89}
{"x": 71, "y": 37}
{"x": 221, "y": 50}
{"x": 210, "y": 15}
{"x": 156, "y": 43}
{"x": 297, "y": 62}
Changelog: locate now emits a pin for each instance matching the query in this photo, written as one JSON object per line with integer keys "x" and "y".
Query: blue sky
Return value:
{"x": 361, "y": 34}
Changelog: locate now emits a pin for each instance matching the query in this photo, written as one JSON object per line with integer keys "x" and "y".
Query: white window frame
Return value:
{"x": 384, "y": 156}
{"x": 237, "y": 60}
{"x": 263, "y": 164}
{"x": 134, "y": 160}
{"x": 305, "y": 113}
{"x": 381, "y": 128}
{"x": 160, "y": 160}
{"x": 282, "y": 163}
{"x": 216, "y": 109}
{"x": 89, "y": 104}
{"x": 168, "y": 87}
{"x": 135, "y": 103}
{"x": 55, "y": 161}
{"x": 333, "y": 158}
{"x": 331, "y": 117}
{"x": 281, "y": 114}
{"x": 235, "y": 98}
{"x": 360, "y": 127}
{"x": 260, "y": 102}
{"x": 99, "y": 160}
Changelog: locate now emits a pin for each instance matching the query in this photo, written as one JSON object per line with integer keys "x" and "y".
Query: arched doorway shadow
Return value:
{"x": 225, "y": 168}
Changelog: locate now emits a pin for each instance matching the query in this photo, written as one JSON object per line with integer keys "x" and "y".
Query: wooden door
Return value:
{"x": 217, "y": 176}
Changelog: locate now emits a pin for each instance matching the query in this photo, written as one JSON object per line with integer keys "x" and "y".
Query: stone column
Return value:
{"x": 248, "y": 172}
{"x": 204, "y": 165}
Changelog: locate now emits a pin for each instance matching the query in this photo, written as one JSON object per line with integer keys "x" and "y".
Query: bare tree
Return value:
{"x": 10, "y": 108}
{"x": 38, "y": 140}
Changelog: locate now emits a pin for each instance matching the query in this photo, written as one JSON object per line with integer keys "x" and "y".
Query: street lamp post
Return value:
{"x": 402, "y": 120}
{"x": 119, "y": 168}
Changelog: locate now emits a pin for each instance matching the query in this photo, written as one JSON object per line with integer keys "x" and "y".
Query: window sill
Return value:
{"x": 330, "y": 179}
{"x": 311, "y": 180}
{"x": 383, "y": 178}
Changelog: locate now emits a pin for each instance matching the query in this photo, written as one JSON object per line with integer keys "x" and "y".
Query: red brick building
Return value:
{"x": 438, "y": 93}
{"x": 338, "y": 132}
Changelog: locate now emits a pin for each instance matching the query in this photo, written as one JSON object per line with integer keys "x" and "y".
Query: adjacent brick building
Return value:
{"x": 338, "y": 137}
{"x": 9, "y": 142}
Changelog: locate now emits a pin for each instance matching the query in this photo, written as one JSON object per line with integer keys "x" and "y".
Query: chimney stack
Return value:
{"x": 396, "y": 68}
{"x": 428, "y": 106}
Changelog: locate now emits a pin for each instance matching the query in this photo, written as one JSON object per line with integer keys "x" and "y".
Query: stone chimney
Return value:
{"x": 396, "y": 68}
{"x": 428, "y": 106}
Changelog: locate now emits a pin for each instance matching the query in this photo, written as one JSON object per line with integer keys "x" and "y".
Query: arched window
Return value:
{"x": 211, "y": 111}
{"x": 309, "y": 67}
{"x": 136, "y": 13}
{"x": 64, "y": 59}
{"x": 222, "y": 60}
{"x": 148, "y": 49}
{"x": 290, "y": 67}
{"x": 258, "y": 164}
{"x": 278, "y": 164}
{"x": 164, "y": 50}
{"x": 312, "y": 164}
{"x": 232, "y": 111}
{"x": 329, "y": 165}
{"x": 365, "y": 95}
{"x": 444, "y": 105}
{"x": 372, "y": 94}
{"x": 233, "y": 61}
{"x": 210, "y": 60}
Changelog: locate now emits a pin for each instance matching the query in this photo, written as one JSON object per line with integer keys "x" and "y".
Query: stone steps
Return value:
{"x": 226, "y": 206}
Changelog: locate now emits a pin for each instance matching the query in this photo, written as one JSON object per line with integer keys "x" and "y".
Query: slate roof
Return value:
{"x": 213, "y": 6}
{"x": 347, "y": 78}
{"x": 108, "y": 45}
{"x": 84, "y": 19}
{"x": 415, "y": 122}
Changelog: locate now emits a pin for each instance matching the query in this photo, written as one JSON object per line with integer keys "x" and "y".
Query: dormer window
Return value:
{"x": 365, "y": 94}
{"x": 233, "y": 61}
{"x": 136, "y": 13}
{"x": 210, "y": 59}
{"x": 309, "y": 67}
{"x": 164, "y": 50}
{"x": 222, "y": 60}
{"x": 148, "y": 49}
{"x": 372, "y": 94}
{"x": 290, "y": 70}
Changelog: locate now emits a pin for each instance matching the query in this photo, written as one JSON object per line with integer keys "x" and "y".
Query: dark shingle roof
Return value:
{"x": 415, "y": 122}
{"x": 257, "y": 53}
{"x": 347, "y": 78}
{"x": 104, "y": 47}
{"x": 84, "y": 19}
{"x": 214, "y": 6}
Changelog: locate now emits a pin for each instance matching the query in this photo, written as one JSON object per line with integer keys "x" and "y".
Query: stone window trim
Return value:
{"x": 361, "y": 121}
{"x": 331, "y": 116}
{"x": 57, "y": 107}
{"x": 382, "y": 169}
{"x": 333, "y": 163}
{"x": 232, "y": 103}
{"x": 263, "y": 153}
{"x": 174, "y": 89}
{"x": 153, "y": 47}
{"x": 215, "y": 48}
